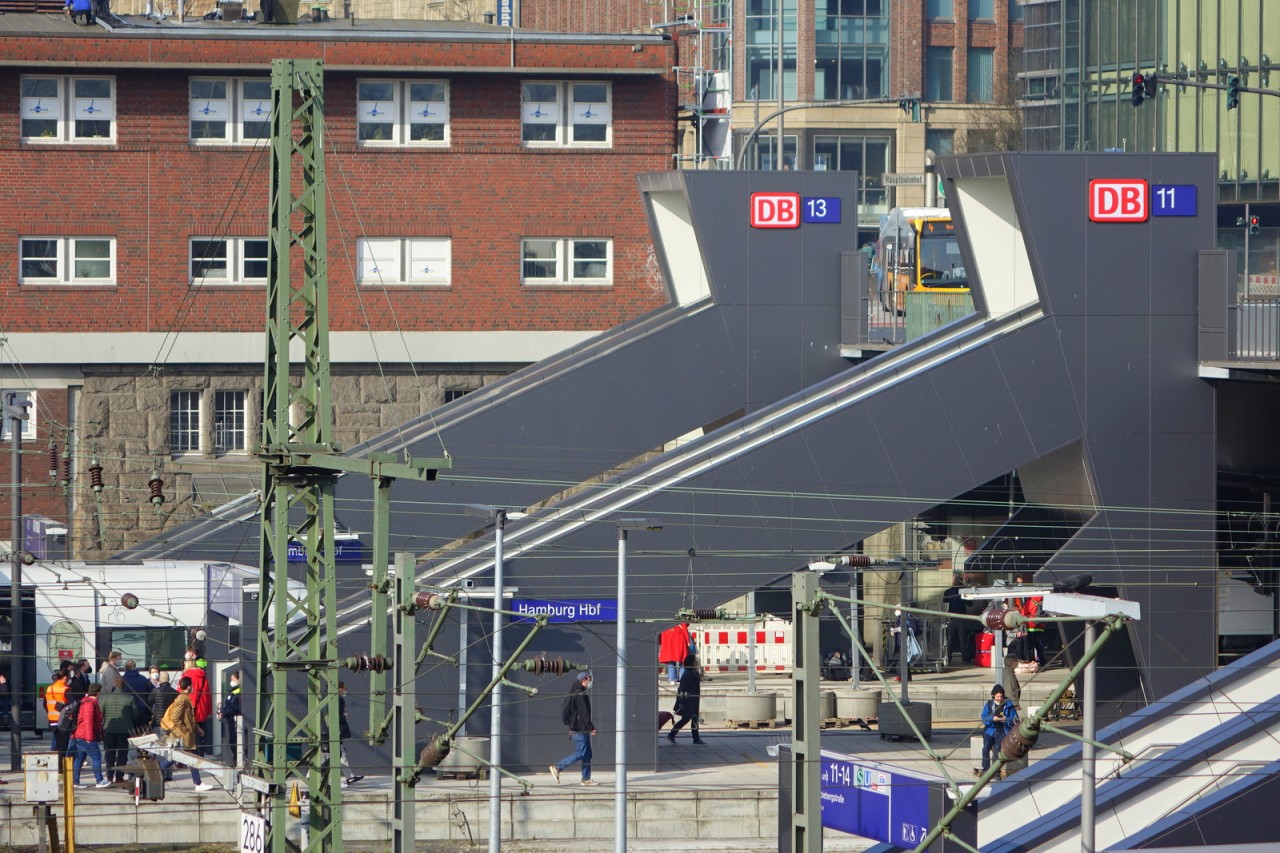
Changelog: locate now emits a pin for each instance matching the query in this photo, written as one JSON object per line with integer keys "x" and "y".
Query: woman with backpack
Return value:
{"x": 576, "y": 714}
{"x": 66, "y": 724}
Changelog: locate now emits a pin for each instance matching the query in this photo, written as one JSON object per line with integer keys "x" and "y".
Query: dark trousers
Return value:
{"x": 117, "y": 754}
{"x": 229, "y": 741}
{"x": 960, "y": 635}
{"x": 63, "y": 746}
{"x": 693, "y": 727}
{"x": 990, "y": 748}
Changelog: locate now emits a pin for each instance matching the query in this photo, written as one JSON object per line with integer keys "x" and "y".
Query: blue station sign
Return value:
{"x": 566, "y": 609}
{"x": 875, "y": 801}
{"x": 345, "y": 550}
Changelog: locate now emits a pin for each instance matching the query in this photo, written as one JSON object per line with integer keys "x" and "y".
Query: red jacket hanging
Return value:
{"x": 673, "y": 644}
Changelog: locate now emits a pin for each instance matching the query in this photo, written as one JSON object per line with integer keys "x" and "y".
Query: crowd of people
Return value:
{"x": 92, "y": 721}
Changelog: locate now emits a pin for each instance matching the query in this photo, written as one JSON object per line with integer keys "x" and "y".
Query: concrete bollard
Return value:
{"x": 752, "y": 706}
{"x": 862, "y": 705}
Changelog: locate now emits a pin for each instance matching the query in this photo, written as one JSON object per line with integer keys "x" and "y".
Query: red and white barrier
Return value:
{"x": 722, "y": 646}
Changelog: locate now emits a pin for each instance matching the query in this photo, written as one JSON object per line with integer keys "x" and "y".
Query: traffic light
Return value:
{"x": 1151, "y": 85}
{"x": 1139, "y": 89}
{"x": 1233, "y": 92}
{"x": 1253, "y": 225}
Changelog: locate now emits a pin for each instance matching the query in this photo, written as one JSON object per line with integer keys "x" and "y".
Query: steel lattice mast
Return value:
{"x": 297, "y": 636}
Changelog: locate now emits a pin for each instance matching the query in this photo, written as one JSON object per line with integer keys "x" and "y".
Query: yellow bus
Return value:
{"x": 917, "y": 252}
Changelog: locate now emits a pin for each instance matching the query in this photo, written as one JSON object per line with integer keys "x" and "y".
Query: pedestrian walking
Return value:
{"x": 998, "y": 717}
{"x": 688, "y": 700}
{"x": 576, "y": 714}
{"x": 86, "y": 740}
{"x": 179, "y": 724}
{"x": 228, "y": 713}
{"x": 344, "y": 732}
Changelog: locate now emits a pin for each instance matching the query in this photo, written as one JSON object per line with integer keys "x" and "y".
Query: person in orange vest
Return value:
{"x": 55, "y": 696}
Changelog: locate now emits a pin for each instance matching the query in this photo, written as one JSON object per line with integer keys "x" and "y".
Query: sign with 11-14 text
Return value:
{"x": 874, "y": 801}
{"x": 566, "y": 609}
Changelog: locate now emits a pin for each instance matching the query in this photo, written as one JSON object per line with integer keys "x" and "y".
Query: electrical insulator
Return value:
{"x": 95, "y": 476}
{"x": 367, "y": 663}
{"x": 66, "y": 470}
{"x": 434, "y": 752}
{"x": 428, "y": 601}
{"x": 1017, "y": 743}
{"x": 156, "y": 485}
{"x": 858, "y": 560}
{"x": 53, "y": 462}
{"x": 129, "y": 601}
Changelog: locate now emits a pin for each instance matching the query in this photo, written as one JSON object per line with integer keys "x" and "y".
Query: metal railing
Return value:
{"x": 1254, "y": 329}
{"x": 921, "y": 312}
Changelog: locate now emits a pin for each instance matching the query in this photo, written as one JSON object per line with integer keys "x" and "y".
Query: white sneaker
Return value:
{"x": 555, "y": 773}
{"x": 105, "y": 783}
{"x": 203, "y": 786}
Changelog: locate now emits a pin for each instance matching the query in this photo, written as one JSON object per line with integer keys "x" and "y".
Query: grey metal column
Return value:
{"x": 751, "y": 644}
{"x": 1088, "y": 752}
{"x": 15, "y": 409}
{"x": 806, "y": 752}
{"x": 404, "y": 712}
{"x": 620, "y": 732}
{"x": 495, "y": 716}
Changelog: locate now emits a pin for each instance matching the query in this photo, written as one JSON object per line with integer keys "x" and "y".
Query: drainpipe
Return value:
{"x": 930, "y": 179}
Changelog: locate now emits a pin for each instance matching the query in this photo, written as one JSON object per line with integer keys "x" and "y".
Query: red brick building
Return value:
{"x": 483, "y": 214}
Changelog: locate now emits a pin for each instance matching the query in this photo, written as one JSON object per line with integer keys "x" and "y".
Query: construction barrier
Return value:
{"x": 722, "y": 646}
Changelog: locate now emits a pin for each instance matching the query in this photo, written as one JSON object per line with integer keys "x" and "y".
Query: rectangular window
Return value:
{"x": 982, "y": 10}
{"x": 184, "y": 422}
{"x": 405, "y": 260}
{"x": 67, "y": 260}
{"x": 981, "y": 75}
{"x": 851, "y": 52}
{"x": 68, "y": 109}
{"x": 229, "y": 422}
{"x": 937, "y": 74}
{"x": 941, "y": 141}
{"x": 866, "y": 155}
{"x": 228, "y": 110}
{"x": 402, "y": 112}
{"x": 29, "y": 425}
{"x": 939, "y": 9}
{"x": 763, "y": 20}
{"x": 235, "y": 260}
{"x": 566, "y": 113}
{"x": 574, "y": 260}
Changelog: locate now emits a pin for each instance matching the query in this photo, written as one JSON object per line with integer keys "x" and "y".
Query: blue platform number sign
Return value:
{"x": 823, "y": 209}
{"x": 506, "y": 18}
{"x": 873, "y": 801}
{"x": 1173, "y": 199}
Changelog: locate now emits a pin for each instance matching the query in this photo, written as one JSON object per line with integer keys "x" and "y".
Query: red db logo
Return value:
{"x": 775, "y": 210}
{"x": 1118, "y": 201}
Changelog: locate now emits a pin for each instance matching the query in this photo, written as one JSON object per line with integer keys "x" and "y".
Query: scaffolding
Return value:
{"x": 703, "y": 32}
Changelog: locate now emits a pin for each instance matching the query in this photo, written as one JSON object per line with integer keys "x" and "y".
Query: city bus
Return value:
{"x": 917, "y": 253}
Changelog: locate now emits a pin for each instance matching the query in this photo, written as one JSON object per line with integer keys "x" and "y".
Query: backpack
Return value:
{"x": 566, "y": 711}
{"x": 68, "y": 718}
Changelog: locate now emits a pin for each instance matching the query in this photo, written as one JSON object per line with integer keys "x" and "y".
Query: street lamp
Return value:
{"x": 1091, "y": 608}
{"x": 620, "y": 736}
{"x": 497, "y": 516}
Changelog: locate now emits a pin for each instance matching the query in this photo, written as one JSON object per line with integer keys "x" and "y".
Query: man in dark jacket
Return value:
{"x": 228, "y": 711}
{"x": 121, "y": 715}
{"x": 581, "y": 729}
{"x": 688, "y": 700}
{"x": 161, "y": 698}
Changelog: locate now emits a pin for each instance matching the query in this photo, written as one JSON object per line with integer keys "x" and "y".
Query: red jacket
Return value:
{"x": 88, "y": 720}
{"x": 201, "y": 698}
{"x": 1029, "y": 608}
{"x": 673, "y": 644}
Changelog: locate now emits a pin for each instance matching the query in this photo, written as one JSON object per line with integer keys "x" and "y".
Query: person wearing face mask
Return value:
{"x": 228, "y": 712}
{"x": 201, "y": 698}
{"x": 162, "y": 697}
{"x": 577, "y": 715}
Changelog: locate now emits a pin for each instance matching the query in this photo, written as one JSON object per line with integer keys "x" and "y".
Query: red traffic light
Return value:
{"x": 1254, "y": 224}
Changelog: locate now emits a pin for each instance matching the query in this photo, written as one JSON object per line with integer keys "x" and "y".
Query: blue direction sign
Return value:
{"x": 1173, "y": 199}
{"x": 823, "y": 209}
{"x": 874, "y": 801}
{"x": 345, "y": 549}
{"x": 566, "y": 609}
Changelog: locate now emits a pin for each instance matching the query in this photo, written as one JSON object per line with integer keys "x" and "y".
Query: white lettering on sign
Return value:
{"x": 775, "y": 210}
{"x": 1118, "y": 200}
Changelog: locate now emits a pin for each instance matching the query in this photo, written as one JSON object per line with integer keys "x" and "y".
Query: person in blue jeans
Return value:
{"x": 581, "y": 729}
{"x": 999, "y": 716}
{"x": 86, "y": 740}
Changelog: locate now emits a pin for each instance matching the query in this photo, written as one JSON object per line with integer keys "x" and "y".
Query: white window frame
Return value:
{"x": 29, "y": 425}
{"x": 402, "y": 113}
{"x": 566, "y": 112}
{"x": 236, "y": 110}
{"x": 64, "y": 262}
{"x": 564, "y": 263}
{"x": 404, "y": 261}
{"x": 66, "y": 108}
{"x": 235, "y": 257}
{"x": 199, "y": 421}
{"x": 218, "y": 412}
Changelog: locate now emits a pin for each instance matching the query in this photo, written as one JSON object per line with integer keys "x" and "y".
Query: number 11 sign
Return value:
{"x": 1173, "y": 199}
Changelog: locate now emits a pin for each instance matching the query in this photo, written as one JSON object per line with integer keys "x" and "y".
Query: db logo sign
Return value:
{"x": 1118, "y": 201}
{"x": 775, "y": 210}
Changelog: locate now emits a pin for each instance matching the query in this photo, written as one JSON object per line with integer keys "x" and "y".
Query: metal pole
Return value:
{"x": 1088, "y": 752}
{"x": 751, "y": 644}
{"x": 620, "y": 736}
{"x": 495, "y": 715}
{"x": 1246, "y": 251}
{"x": 855, "y": 619}
{"x": 404, "y": 716}
{"x": 463, "y": 629}
{"x": 17, "y": 414}
{"x": 806, "y": 734}
{"x": 777, "y": 162}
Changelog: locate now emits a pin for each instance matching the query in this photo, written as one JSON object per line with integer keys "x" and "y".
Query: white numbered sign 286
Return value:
{"x": 253, "y": 833}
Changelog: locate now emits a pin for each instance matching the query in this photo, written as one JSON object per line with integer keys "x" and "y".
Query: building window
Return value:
{"x": 229, "y": 110}
{"x": 981, "y": 75}
{"x": 67, "y": 260}
{"x": 851, "y": 51}
{"x": 866, "y": 155}
{"x": 229, "y": 422}
{"x": 762, "y": 154}
{"x": 762, "y": 48}
{"x": 405, "y": 260}
{"x": 451, "y": 394}
{"x": 575, "y": 260}
{"x": 402, "y": 112}
{"x": 184, "y": 422}
{"x": 1015, "y": 10}
{"x": 982, "y": 10}
{"x": 560, "y": 113}
{"x": 939, "y": 10}
{"x": 234, "y": 260}
{"x": 941, "y": 141}
{"x": 29, "y": 425}
{"x": 68, "y": 109}
{"x": 937, "y": 74}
